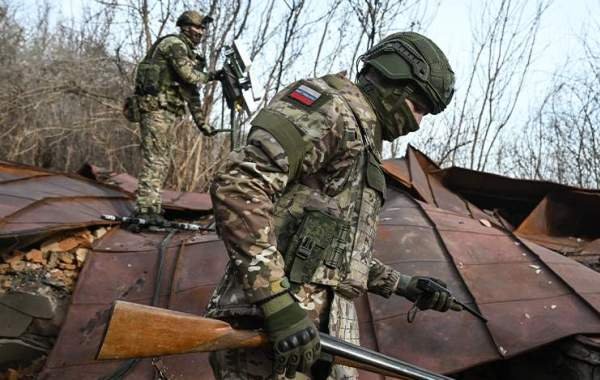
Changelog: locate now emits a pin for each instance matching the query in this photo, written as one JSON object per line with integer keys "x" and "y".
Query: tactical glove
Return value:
{"x": 440, "y": 301}
{"x": 216, "y": 75}
{"x": 294, "y": 336}
{"x": 201, "y": 124}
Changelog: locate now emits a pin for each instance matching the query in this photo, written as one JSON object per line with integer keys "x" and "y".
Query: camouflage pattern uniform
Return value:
{"x": 260, "y": 197}
{"x": 181, "y": 72}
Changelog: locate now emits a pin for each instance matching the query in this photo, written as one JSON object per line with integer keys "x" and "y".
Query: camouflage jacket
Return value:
{"x": 312, "y": 148}
{"x": 179, "y": 72}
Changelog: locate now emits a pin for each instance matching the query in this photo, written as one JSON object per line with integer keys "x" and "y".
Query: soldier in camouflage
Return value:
{"x": 166, "y": 80}
{"x": 298, "y": 208}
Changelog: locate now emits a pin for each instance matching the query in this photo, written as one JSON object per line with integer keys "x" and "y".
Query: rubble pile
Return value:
{"x": 35, "y": 289}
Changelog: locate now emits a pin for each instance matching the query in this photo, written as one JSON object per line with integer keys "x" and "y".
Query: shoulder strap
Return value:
{"x": 288, "y": 136}
{"x": 154, "y": 46}
{"x": 339, "y": 83}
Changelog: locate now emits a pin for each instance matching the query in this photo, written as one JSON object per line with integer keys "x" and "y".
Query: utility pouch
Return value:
{"x": 148, "y": 78}
{"x": 131, "y": 109}
{"x": 320, "y": 240}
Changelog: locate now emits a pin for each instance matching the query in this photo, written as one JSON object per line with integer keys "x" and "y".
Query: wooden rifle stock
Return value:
{"x": 137, "y": 331}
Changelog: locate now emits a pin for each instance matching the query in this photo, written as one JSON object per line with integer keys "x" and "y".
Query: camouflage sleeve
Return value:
{"x": 383, "y": 279}
{"x": 244, "y": 192}
{"x": 176, "y": 53}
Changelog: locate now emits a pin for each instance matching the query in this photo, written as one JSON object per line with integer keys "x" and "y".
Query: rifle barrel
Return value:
{"x": 364, "y": 358}
{"x": 137, "y": 331}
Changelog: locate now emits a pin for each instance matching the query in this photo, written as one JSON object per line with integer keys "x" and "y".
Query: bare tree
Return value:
{"x": 65, "y": 109}
{"x": 504, "y": 42}
{"x": 561, "y": 143}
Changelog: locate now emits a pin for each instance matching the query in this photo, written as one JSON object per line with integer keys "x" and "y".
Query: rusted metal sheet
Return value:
{"x": 421, "y": 176}
{"x": 35, "y": 203}
{"x": 398, "y": 170}
{"x": 124, "y": 266}
{"x": 172, "y": 200}
{"x": 10, "y": 171}
{"x": 556, "y": 216}
{"x": 525, "y": 291}
{"x": 564, "y": 221}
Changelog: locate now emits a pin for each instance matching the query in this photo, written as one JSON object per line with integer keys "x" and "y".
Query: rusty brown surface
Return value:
{"x": 524, "y": 290}
{"x": 123, "y": 266}
{"x": 486, "y": 267}
{"x": 173, "y": 200}
{"x": 559, "y": 217}
{"x": 432, "y": 224}
{"x": 35, "y": 203}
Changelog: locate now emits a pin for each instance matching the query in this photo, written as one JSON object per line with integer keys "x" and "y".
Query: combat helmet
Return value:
{"x": 193, "y": 18}
{"x": 413, "y": 57}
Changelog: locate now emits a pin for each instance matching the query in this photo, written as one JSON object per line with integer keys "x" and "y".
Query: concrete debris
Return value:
{"x": 35, "y": 290}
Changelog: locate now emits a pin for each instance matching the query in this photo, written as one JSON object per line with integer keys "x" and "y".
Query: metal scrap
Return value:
{"x": 449, "y": 223}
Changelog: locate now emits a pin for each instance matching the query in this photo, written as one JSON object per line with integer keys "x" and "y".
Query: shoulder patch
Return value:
{"x": 305, "y": 95}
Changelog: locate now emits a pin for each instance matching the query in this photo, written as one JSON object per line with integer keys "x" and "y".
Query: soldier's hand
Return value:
{"x": 216, "y": 75}
{"x": 294, "y": 336}
{"x": 201, "y": 124}
{"x": 207, "y": 130}
{"x": 439, "y": 300}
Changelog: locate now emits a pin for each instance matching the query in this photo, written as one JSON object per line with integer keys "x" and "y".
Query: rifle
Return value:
{"x": 239, "y": 88}
{"x": 136, "y": 331}
{"x": 167, "y": 225}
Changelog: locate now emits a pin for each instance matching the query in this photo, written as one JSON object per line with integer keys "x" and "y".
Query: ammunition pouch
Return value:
{"x": 148, "y": 78}
{"x": 131, "y": 109}
{"x": 320, "y": 240}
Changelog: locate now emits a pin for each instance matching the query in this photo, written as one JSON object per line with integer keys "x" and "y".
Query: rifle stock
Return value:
{"x": 138, "y": 331}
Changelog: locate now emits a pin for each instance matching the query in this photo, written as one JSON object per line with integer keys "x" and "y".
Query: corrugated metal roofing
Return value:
{"x": 530, "y": 294}
{"x": 124, "y": 266}
{"x": 35, "y": 203}
{"x": 172, "y": 200}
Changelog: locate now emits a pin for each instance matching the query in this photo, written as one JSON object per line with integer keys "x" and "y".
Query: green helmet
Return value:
{"x": 413, "y": 57}
{"x": 193, "y": 18}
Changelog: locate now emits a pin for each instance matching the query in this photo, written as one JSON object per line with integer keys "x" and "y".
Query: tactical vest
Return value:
{"x": 327, "y": 238}
{"x": 157, "y": 80}
{"x": 325, "y": 226}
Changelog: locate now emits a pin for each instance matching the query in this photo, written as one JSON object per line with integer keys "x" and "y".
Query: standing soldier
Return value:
{"x": 298, "y": 206}
{"x": 167, "y": 78}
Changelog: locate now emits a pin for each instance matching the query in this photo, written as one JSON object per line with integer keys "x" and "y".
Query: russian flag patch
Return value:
{"x": 305, "y": 95}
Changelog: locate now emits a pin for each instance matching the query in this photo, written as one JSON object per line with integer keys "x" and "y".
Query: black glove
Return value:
{"x": 216, "y": 75}
{"x": 294, "y": 336}
{"x": 201, "y": 124}
{"x": 440, "y": 301}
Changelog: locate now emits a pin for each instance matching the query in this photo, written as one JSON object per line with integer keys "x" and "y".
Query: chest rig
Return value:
{"x": 156, "y": 79}
{"x": 327, "y": 238}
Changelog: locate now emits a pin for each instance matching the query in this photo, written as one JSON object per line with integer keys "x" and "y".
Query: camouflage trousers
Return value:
{"x": 332, "y": 313}
{"x": 155, "y": 145}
